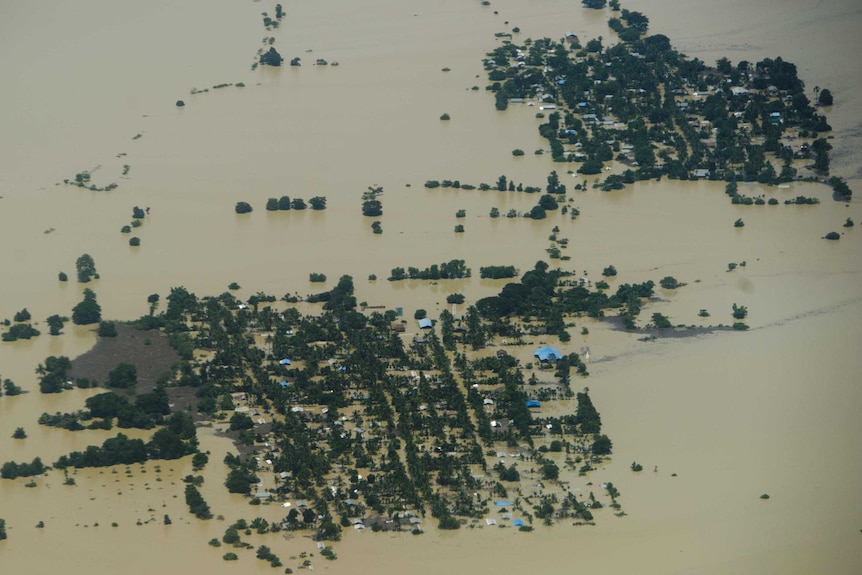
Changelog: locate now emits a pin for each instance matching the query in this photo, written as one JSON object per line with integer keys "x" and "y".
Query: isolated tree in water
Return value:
{"x": 88, "y": 311}
{"x": 86, "y": 268}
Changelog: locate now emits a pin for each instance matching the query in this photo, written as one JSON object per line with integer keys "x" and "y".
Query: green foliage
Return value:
{"x": 240, "y": 421}
{"x": 371, "y": 204}
{"x": 456, "y": 298}
{"x": 199, "y": 460}
{"x": 271, "y": 58}
{"x": 494, "y": 213}
{"x": 230, "y": 556}
{"x": 595, "y": 4}
{"x": 317, "y": 203}
{"x": 445, "y": 117}
{"x": 137, "y": 213}
{"x": 739, "y": 223}
{"x": 53, "y": 374}
{"x": 829, "y": 236}
{"x": 10, "y": 388}
{"x": 497, "y": 272}
{"x": 86, "y": 268}
{"x": 124, "y": 375}
{"x": 637, "y": 466}
{"x": 20, "y": 331}
{"x": 848, "y": 223}
{"x": 453, "y": 269}
{"x": 840, "y": 188}
{"x": 242, "y": 208}
{"x": 602, "y": 445}
{"x": 22, "y": 315}
{"x": 609, "y": 271}
{"x": 55, "y": 324}
{"x": 739, "y": 311}
{"x": 2, "y": 529}
{"x": 62, "y": 277}
{"x": 550, "y": 471}
{"x": 825, "y": 98}
{"x": 661, "y": 321}
{"x": 272, "y": 204}
{"x": 135, "y": 241}
{"x": 196, "y": 503}
{"x": 88, "y": 310}
{"x": 107, "y": 329}
{"x": 19, "y": 433}
{"x": 669, "y": 282}
{"x": 316, "y": 278}
{"x": 12, "y": 470}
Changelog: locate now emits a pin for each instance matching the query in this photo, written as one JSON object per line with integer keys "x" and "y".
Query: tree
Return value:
{"x": 107, "y": 329}
{"x": 123, "y": 376}
{"x": 240, "y": 421}
{"x": 272, "y": 204}
{"x": 19, "y": 433}
{"x": 2, "y": 529}
{"x": 86, "y": 268}
{"x": 137, "y": 213}
{"x": 317, "y": 203}
{"x": 602, "y": 445}
{"x": 243, "y": 208}
{"x": 22, "y": 315}
{"x": 271, "y": 58}
{"x": 609, "y": 271}
{"x": 135, "y": 241}
{"x": 661, "y": 321}
{"x": 595, "y": 4}
{"x": 371, "y": 205}
{"x": 284, "y": 203}
{"x": 10, "y": 388}
{"x": 740, "y": 311}
{"x": 55, "y": 324}
{"x": 669, "y": 282}
{"x": 825, "y": 98}
{"x": 88, "y": 310}
{"x": 297, "y": 204}
{"x": 538, "y": 212}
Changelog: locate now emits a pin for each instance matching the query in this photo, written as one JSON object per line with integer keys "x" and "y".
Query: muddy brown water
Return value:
{"x": 772, "y": 410}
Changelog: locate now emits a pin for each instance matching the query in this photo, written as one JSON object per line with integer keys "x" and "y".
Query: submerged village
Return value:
{"x": 350, "y": 417}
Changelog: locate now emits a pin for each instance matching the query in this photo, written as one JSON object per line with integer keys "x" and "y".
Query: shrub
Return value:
{"x": 316, "y": 278}
{"x": 243, "y": 208}
{"x": 62, "y": 277}
{"x": 107, "y": 329}
{"x": 609, "y": 271}
{"x": 445, "y": 117}
{"x": 669, "y": 282}
{"x": 739, "y": 223}
{"x": 832, "y": 236}
{"x": 517, "y": 152}
{"x": 135, "y": 241}
{"x": 456, "y": 298}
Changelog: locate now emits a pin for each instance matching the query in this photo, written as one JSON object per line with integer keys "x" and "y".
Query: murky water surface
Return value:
{"x": 734, "y": 415}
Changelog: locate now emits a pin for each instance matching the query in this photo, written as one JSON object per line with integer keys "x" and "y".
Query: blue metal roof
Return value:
{"x": 547, "y": 352}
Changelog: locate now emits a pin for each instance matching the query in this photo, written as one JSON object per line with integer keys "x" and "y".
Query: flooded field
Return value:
{"x": 733, "y": 415}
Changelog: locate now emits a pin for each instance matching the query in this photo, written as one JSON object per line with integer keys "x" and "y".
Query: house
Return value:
{"x": 533, "y": 403}
{"x": 284, "y": 362}
{"x": 701, "y": 173}
{"x": 398, "y": 327}
{"x": 547, "y": 353}
{"x": 426, "y": 323}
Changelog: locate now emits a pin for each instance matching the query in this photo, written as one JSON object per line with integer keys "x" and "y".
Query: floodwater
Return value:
{"x": 734, "y": 415}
